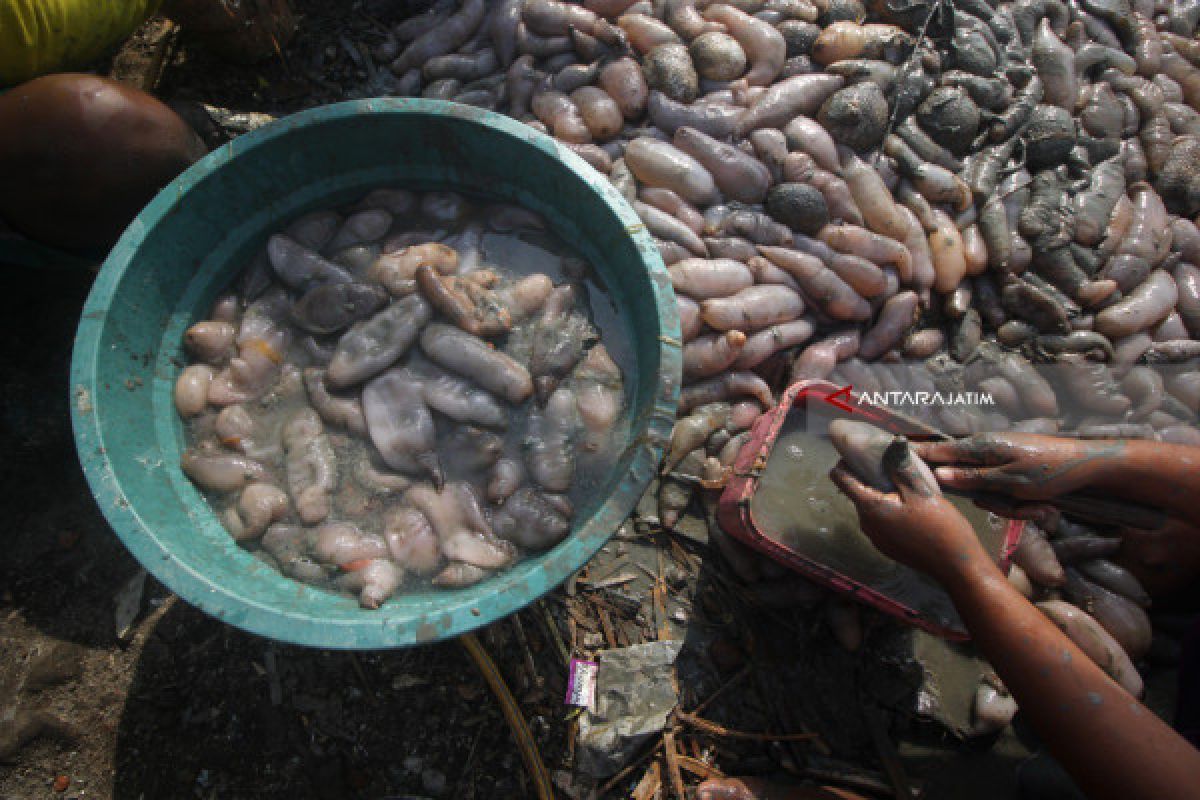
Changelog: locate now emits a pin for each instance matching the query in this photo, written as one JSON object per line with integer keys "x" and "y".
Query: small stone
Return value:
{"x": 675, "y": 576}
{"x": 717, "y": 56}
{"x": 856, "y": 116}
{"x": 680, "y": 616}
{"x": 669, "y": 69}
{"x": 433, "y": 781}
{"x": 799, "y": 206}
{"x": 950, "y": 116}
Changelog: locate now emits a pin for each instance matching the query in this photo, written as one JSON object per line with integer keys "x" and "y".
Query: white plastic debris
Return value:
{"x": 635, "y": 694}
{"x": 129, "y": 605}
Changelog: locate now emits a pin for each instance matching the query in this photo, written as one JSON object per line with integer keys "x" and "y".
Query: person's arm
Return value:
{"x": 1033, "y": 467}
{"x": 1112, "y": 745}
{"x": 1109, "y": 742}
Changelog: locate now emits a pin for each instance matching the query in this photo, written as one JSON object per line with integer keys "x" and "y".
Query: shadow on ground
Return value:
{"x": 212, "y": 711}
{"x": 780, "y": 670}
{"x": 62, "y": 564}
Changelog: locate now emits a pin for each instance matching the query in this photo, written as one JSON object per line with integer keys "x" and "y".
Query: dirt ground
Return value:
{"x": 187, "y": 707}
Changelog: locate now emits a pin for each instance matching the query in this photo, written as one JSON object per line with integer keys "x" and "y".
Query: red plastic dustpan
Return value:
{"x": 821, "y": 401}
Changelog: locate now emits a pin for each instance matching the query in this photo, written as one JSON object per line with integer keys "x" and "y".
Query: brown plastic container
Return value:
{"x": 817, "y": 403}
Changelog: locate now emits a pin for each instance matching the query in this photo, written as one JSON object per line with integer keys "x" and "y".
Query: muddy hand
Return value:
{"x": 1024, "y": 466}
{"x": 912, "y": 525}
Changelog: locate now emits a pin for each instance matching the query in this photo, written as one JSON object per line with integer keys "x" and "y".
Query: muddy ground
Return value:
{"x": 185, "y": 706}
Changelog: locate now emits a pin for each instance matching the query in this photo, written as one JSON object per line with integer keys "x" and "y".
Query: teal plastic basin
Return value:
{"x": 199, "y": 231}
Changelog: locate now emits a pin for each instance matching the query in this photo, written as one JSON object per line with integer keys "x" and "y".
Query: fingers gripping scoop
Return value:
{"x": 908, "y": 469}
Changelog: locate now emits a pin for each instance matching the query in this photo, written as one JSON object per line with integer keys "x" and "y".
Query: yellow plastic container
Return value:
{"x": 42, "y": 36}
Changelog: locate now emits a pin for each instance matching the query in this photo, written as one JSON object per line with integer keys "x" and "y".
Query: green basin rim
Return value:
{"x": 187, "y": 242}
